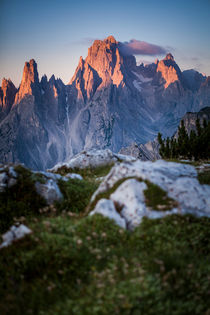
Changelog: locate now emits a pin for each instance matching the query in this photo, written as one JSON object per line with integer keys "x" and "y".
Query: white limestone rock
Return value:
{"x": 56, "y": 177}
{"x": 93, "y": 158}
{"x": 72, "y": 176}
{"x": 3, "y": 181}
{"x": 160, "y": 172}
{"x": 49, "y": 191}
{"x": 178, "y": 180}
{"x": 15, "y": 233}
{"x": 107, "y": 209}
{"x": 8, "y": 177}
{"x": 129, "y": 197}
{"x": 11, "y": 172}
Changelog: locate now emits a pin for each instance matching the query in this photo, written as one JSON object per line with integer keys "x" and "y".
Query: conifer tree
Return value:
{"x": 196, "y": 146}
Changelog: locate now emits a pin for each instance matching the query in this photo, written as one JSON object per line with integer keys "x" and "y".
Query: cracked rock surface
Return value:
{"x": 179, "y": 181}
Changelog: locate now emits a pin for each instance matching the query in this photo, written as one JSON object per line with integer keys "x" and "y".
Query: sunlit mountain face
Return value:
{"x": 110, "y": 102}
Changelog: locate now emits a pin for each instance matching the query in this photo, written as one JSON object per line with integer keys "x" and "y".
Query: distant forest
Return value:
{"x": 194, "y": 146}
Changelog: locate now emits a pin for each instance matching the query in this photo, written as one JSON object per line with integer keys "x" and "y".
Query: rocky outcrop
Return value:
{"x": 92, "y": 159}
{"x": 130, "y": 181}
{"x": 190, "y": 120}
{"x": 150, "y": 150}
{"x": 7, "y": 96}
{"x": 144, "y": 152}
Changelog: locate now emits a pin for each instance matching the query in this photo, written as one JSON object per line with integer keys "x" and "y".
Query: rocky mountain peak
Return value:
{"x": 104, "y": 57}
{"x": 44, "y": 82}
{"x": 110, "y": 39}
{"x": 30, "y": 73}
{"x": 169, "y": 70}
{"x": 30, "y": 81}
{"x": 52, "y": 79}
{"x": 169, "y": 56}
{"x": 102, "y": 66}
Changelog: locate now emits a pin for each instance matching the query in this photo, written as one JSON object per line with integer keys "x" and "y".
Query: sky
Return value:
{"x": 57, "y": 32}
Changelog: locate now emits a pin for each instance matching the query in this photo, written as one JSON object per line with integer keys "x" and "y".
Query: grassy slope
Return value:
{"x": 74, "y": 265}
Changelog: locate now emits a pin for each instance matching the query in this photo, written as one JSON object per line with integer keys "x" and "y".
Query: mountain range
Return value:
{"x": 110, "y": 102}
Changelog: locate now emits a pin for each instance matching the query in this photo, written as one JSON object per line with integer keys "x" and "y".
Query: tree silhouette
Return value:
{"x": 195, "y": 146}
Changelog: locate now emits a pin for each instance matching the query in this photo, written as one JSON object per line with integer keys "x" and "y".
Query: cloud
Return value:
{"x": 137, "y": 47}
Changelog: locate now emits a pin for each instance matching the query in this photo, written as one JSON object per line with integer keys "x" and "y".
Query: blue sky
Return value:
{"x": 57, "y": 32}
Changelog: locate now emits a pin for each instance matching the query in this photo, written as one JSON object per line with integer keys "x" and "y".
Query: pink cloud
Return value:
{"x": 137, "y": 47}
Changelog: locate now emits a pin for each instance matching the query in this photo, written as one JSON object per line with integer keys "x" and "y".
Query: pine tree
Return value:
{"x": 196, "y": 146}
{"x": 183, "y": 140}
{"x": 205, "y": 125}
{"x": 162, "y": 145}
{"x": 198, "y": 127}
{"x": 167, "y": 150}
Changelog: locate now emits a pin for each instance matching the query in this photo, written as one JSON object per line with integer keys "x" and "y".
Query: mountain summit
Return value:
{"x": 170, "y": 71}
{"x": 110, "y": 102}
{"x": 30, "y": 82}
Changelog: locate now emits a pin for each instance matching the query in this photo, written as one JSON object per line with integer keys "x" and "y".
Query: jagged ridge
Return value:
{"x": 110, "y": 102}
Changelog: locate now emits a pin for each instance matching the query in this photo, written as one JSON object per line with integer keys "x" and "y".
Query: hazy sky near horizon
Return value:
{"x": 57, "y": 32}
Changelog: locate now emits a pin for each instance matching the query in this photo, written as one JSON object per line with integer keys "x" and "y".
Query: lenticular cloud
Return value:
{"x": 137, "y": 47}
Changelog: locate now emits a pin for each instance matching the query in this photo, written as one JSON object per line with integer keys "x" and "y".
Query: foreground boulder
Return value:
{"x": 130, "y": 187}
{"x": 92, "y": 159}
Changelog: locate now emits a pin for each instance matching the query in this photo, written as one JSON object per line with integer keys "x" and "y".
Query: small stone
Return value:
{"x": 14, "y": 233}
{"x": 73, "y": 176}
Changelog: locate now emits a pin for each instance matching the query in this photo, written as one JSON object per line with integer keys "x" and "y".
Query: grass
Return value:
{"x": 190, "y": 162}
{"x": 204, "y": 177}
{"x": 75, "y": 264}
{"x": 77, "y": 194}
{"x": 91, "y": 266}
{"x": 157, "y": 199}
{"x": 89, "y": 173}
